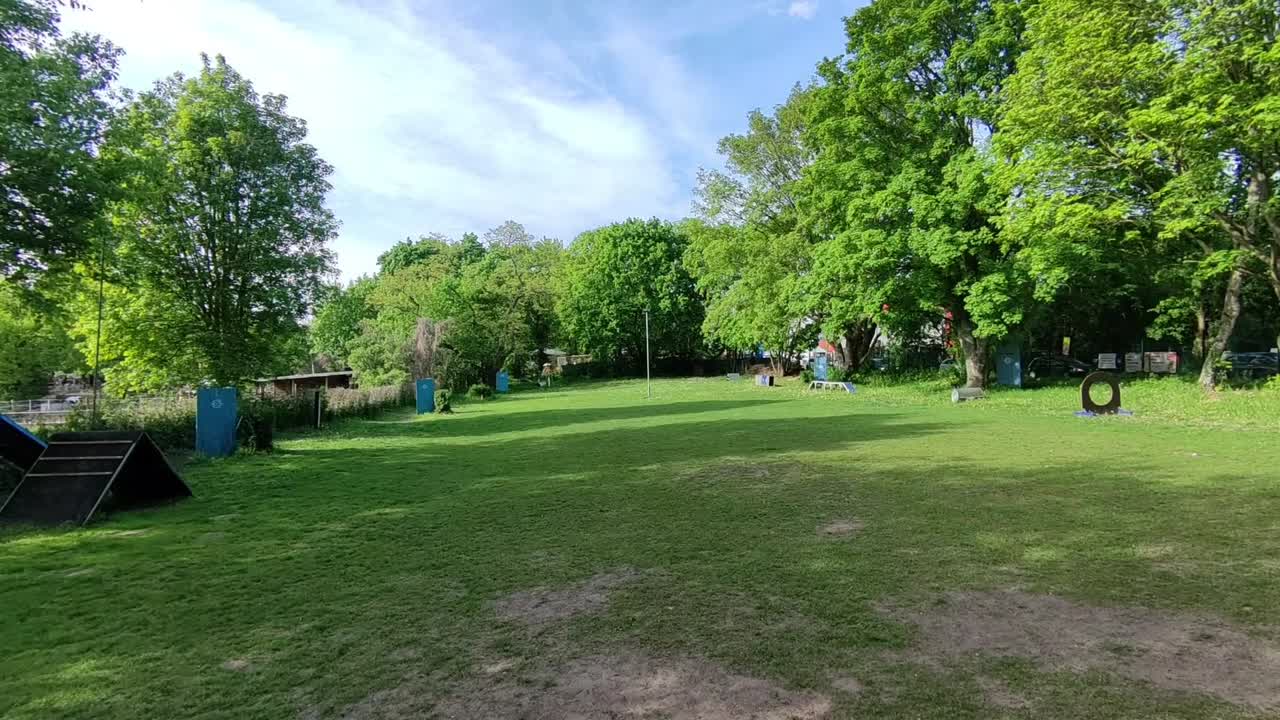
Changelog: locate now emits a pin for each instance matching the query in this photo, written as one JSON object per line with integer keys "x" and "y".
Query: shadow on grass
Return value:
{"x": 469, "y": 422}
{"x": 318, "y": 564}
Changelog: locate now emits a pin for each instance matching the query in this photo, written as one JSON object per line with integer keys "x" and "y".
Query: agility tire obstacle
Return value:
{"x": 82, "y": 474}
{"x": 1112, "y": 406}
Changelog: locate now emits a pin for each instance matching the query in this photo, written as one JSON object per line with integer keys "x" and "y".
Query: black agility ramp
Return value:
{"x": 83, "y": 473}
{"x": 18, "y": 446}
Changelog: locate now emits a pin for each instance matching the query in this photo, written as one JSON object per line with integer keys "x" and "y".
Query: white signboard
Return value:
{"x": 1132, "y": 362}
{"x": 1107, "y": 361}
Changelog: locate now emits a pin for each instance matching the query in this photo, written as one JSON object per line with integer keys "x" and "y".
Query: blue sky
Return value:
{"x": 454, "y": 116}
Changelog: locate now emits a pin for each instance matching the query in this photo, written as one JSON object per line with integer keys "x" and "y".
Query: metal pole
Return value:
{"x": 97, "y": 344}
{"x": 648, "y": 380}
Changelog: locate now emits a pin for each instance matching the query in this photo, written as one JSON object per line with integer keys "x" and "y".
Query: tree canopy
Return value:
{"x": 54, "y": 106}
{"x": 612, "y": 275}
{"x": 221, "y": 241}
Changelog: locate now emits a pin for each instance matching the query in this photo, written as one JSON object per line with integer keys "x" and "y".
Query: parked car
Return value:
{"x": 1042, "y": 366}
{"x": 1253, "y": 365}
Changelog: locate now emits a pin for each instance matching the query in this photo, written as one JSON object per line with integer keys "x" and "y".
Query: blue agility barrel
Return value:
{"x": 217, "y": 411}
{"x": 425, "y": 390}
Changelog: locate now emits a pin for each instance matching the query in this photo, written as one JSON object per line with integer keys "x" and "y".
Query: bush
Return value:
{"x": 480, "y": 391}
{"x": 444, "y": 399}
{"x": 806, "y": 376}
{"x": 172, "y": 422}
{"x": 1273, "y": 384}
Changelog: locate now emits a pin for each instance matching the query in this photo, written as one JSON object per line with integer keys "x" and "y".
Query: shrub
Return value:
{"x": 443, "y": 401}
{"x": 806, "y": 376}
{"x": 480, "y": 391}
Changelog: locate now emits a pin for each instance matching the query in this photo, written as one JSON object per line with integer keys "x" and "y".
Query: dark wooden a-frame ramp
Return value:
{"x": 83, "y": 473}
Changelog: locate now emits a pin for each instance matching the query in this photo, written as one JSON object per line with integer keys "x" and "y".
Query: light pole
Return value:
{"x": 648, "y": 380}
{"x": 97, "y": 343}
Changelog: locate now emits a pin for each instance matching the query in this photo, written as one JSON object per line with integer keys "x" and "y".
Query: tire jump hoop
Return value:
{"x": 1111, "y": 406}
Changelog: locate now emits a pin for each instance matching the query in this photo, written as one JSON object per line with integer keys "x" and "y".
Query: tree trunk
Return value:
{"x": 1274, "y": 271}
{"x": 1202, "y": 332}
{"x": 1226, "y": 326}
{"x": 856, "y": 343}
{"x": 975, "y": 350}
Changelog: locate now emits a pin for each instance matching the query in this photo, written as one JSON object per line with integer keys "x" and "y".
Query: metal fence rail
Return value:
{"x": 50, "y": 411}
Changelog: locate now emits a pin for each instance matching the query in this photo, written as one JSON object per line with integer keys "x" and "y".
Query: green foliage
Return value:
{"x": 222, "y": 235}
{"x": 612, "y": 275}
{"x": 33, "y": 345}
{"x": 171, "y": 423}
{"x": 748, "y": 254}
{"x": 54, "y": 105}
{"x": 444, "y": 401}
{"x": 480, "y": 391}
{"x": 409, "y": 252}
{"x": 495, "y": 307}
{"x": 1159, "y": 120}
{"x": 338, "y": 320}
{"x": 901, "y": 188}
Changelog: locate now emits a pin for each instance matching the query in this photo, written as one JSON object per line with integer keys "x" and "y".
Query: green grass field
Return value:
{"x": 718, "y": 551}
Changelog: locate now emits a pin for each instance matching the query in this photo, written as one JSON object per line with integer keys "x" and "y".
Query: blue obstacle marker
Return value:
{"x": 820, "y": 366}
{"x": 502, "y": 382}
{"x": 216, "y": 415}
{"x": 425, "y": 390}
{"x": 764, "y": 380}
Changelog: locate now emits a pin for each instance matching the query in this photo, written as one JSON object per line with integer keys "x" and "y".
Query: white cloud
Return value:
{"x": 431, "y": 125}
{"x": 805, "y": 9}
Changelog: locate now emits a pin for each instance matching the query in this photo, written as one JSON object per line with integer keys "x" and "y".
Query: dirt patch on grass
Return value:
{"x": 841, "y": 528}
{"x": 848, "y": 683}
{"x": 998, "y": 694}
{"x": 546, "y": 605}
{"x": 237, "y": 665}
{"x": 1171, "y": 651}
{"x": 633, "y": 685}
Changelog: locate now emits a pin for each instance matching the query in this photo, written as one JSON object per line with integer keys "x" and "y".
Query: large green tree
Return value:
{"x": 748, "y": 252}
{"x": 1159, "y": 115}
{"x": 612, "y": 275}
{"x": 339, "y": 317}
{"x": 54, "y": 103}
{"x": 901, "y": 190}
{"x": 491, "y": 309}
{"x": 221, "y": 236}
{"x": 33, "y": 345}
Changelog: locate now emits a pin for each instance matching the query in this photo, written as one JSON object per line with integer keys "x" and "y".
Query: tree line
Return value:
{"x": 969, "y": 170}
{"x": 1018, "y": 167}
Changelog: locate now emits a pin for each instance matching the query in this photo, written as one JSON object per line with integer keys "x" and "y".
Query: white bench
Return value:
{"x": 829, "y": 385}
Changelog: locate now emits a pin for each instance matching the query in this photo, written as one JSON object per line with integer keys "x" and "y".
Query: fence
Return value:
{"x": 51, "y": 411}
{"x": 171, "y": 420}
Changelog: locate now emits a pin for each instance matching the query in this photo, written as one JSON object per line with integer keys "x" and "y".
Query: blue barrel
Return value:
{"x": 426, "y": 395}
{"x": 1009, "y": 364}
{"x": 217, "y": 410}
{"x": 820, "y": 370}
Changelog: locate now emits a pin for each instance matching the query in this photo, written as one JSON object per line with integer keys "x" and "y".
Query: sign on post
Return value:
{"x": 425, "y": 393}
{"x": 216, "y": 415}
